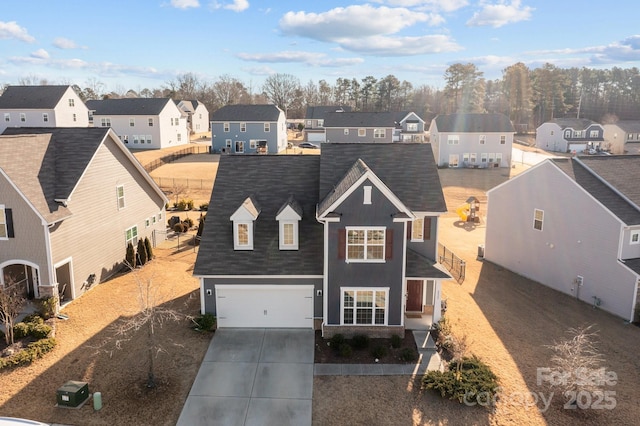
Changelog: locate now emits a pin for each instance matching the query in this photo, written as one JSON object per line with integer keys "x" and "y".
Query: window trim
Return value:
{"x": 127, "y": 240}
{"x": 355, "y": 290}
{"x": 243, "y": 127}
{"x": 503, "y": 139}
{"x": 45, "y": 117}
{"x": 150, "y": 121}
{"x": 482, "y": 139}
{"x": 120, "y": 197}
{"x": 631, "y": 236}
{"x": 453, "y": 139}
{"x": 346, "y": 132}
{"x": 379, "y": 133}
{"x": 132, "y": 122}
{"x": 236, "y": 235}
{"x": 23, "y": 117}
{"x": 294, "y": 244}
{"x": 537, "y": 220}
{"x": 267, "y": 127}
{"x": 417, "y": 232}
{"x": 4, "y": 223}
{"x": 7, "y": 117}
{"x": 365, "y": 244}
{"x": 362, "y": 133}
{"x": 225, "y": 127}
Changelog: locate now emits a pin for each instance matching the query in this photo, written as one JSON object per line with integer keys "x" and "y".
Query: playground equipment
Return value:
{"x": 468, "y": 211}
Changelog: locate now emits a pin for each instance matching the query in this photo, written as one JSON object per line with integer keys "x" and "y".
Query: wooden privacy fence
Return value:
{"x": 453, "y": 263}
{"x": 169, "y": 183}
{"x": 197, "y": 149}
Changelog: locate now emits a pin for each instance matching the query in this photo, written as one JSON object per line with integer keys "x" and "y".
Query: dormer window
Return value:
{"x": 243, "y": 221}
{"x": 288, "y": 218}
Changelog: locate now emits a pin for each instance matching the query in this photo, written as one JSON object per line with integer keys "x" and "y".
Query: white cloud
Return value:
{"x": 500, "y": 14}
{"x": 309, "y": 58}
{"x": 9, "y": 30}
{"x": 235, "y": 5}
{"x": 401, "y": 46}
{"x": 626, "y": 50}
{"x": 65, "y": 43}
{"x": 40, "y": 54}
{"x": 261, "y": 71}
{"x": 185, "y": 4}
{"x": 434, "y": 5}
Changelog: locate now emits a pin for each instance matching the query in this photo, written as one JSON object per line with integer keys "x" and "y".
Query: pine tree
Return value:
{"x": 130, "y": 258}
{"x": 142, "y": 253}
{"x": 149, "y": 249}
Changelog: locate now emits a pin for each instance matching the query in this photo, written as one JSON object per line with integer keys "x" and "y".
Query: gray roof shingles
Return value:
{"x": 254, "y": 113}
{"x": 360, "y": 119}
{"x": 319, "y": 112}
{"x": 128, "y": 106}
{"x": 474, "y": 123}
{"x": 32, "y": 97}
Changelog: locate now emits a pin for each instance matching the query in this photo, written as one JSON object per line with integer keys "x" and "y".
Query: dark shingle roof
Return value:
{"x": 273, "y": 180}
{"x": 629, "y": 126}
{"x": 419, "y": 266}
{"x": 48, "y": 163}
{"x": 474, "y": 123}
{"x": 360, "y": 119}
{"x": 409, "y": 170}
{"x": 260, "y": 113}
{"x": 621, "y": 172}
{"x": 319, "y": 112}
{"x": 573, "y": 123}
{"x": 32, "y": 97}
{"x": 128, "y": 106}
{"x": 356, "y": 171}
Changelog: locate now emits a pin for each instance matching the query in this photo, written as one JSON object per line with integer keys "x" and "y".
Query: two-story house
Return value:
{"x": 344, "y": 241}
{"x": 314, "y": 121}
{"x": 42, "y": 106}
{"x": 71, "y": 199}
{"x": 472, "y": 140}
{"x": 621, "y": 135}
{"x": 248, "y": 129}
{"x": 574, "y": 135}
{"x": 572, "y": 224}
{"x": 410, "y": 127}
{"x": 142, "y": 123}
{"x": 197, "y": 116}
{"x": 360, "y": 127}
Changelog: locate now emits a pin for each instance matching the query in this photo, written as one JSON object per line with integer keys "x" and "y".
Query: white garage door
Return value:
{"x": 269, "y": 306}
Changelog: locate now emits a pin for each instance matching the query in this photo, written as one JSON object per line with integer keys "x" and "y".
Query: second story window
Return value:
{"x": 417, "y": 229}
{"x": 362, "y": 133}
{"x": 483, "y": 139}
{"x": 132, "y": 122}
{"x": 23, "y": 117}
{"x": 151, "y": 122}
{"x": 379, "y": 133}
{"x": 226, "y": 127}
{"x": 243, "y": 127}
{"x": 538, "y": 218}
{"x": 503, "y": 139}
{"x": 635, "y": 237}
{"x": 120, "y": 195}
{"x": 412, "y": 127}
{"x": 45, "y": 117}
{"x": 453, "y": 140}
{"x": 593, "y": 134}
{"x": 346, "y": 131}
{"x": 365, "y": 244}
{"x": 75, "y": 118}
{"x": 267, "y": 127}
{"x": 6, "y": 223}
{"x": 7, "y": 117}
{"x": 72, "y": 103}
{"x": 105, "y": 122}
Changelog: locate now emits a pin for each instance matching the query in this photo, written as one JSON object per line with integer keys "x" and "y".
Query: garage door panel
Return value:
{"x": 265, "y": 306}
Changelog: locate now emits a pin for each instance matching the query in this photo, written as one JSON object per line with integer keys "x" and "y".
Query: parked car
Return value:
{"x": 13, "y": 421}
{"x": 308, "y": 145}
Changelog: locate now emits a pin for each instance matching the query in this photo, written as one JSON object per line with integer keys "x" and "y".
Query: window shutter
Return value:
{"x": 342, "y": 243}
{"x": 409, "y": 230}
{"x": 388, "y": 245}
{"x": 9, "y": 217}
{"x": 427, "y": 228}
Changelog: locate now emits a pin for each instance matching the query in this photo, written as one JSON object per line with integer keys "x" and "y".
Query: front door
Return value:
{"x": 414, "y": 295}
{"x": 453, "y": 160}
{"x": 240, "y": 147}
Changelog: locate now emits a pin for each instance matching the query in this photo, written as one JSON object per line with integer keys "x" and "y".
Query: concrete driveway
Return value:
{"x": 253, "y": 377}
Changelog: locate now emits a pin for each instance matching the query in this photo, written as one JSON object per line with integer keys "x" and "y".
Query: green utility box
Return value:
{"x": 72, "y": 394}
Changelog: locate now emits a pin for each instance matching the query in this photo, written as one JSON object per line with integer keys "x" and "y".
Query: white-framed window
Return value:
{"x": 72, "y": 102}
{"x": 243, "y": 235}
{"x": 159, "y": 216}
{"x": 150, "y": 121}
{"x": 267, "y": 127}
{"x": 492, "y": 157}
{"x": 131, "y": 235}
{"x": 154, "y": 219}
{"x": 179, "y": 137}
{"x": 45, "y": 117}
{"x": 147, "y": 222}
{"x": 538, "y": 219}
{"x": 364, "y": 306}
{"x": 132, "y": 122}
{"x": 320, "y": 123}
{"x": 120, "y": 196}
{"x": 105, "y": 122}
{"x": 635, "y": 237}
{"x": 503, "y": 139}
{"x": 483, "y": 157}
{"x": 412, "y": 127}
{"x": 228, "y": 143}
{"x": 473, "y": 157}
{"x": 149, "y": 139}
{"x": 453, "y": 139}
{"x": 7, "y": 117}
{"x": 465, "y": 157}
{"x": 288, "y": 235}
{"x": 4, "y": 231}
{"x": 567, "y": 134}
{"x": 346, "y": 131}
{"x": 136, "y": 139}
{"x": 252, "y": 144}
{"x": 417, "y": 229}
{"x": 75, "y": 117}
{"x": 23, "y": 117}
{"x": 365, "y": 244}
{"x": 362, "y": 133}
{"x": 243, "y": 127}
{"x": 226, "y": 127}
{"x": 593, "y": 134}
{"x": 482, "y": 139}
{"x": 379, "y": 133}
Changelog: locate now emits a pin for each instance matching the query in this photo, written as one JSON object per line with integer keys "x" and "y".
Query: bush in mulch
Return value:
{"x": 469, "y": 378}
{"x": 32, "y": 341}
{"x": 362, "y": 349}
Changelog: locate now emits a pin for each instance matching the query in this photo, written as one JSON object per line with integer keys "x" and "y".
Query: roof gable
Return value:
{"x": 128, "y": 106}
{"x": 319, "y": 112}
{"x": 573, "y": 123}
{"x": 474, "y": 123}
{"x": 32, "y": 97}
{"x": 260, "y": 113}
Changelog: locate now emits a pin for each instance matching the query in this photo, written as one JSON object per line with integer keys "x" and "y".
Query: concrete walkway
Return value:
{"x": 253, "y": 377}
{"x": 428, "y": 360}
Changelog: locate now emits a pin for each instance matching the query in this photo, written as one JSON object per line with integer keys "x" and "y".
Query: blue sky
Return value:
{"x": 136, "y": 44}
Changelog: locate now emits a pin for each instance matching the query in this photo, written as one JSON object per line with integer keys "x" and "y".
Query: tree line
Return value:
{"x": 529, "y": 97}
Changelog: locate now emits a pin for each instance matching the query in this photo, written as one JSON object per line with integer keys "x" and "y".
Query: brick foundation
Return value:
{"x": 349, "y": 331}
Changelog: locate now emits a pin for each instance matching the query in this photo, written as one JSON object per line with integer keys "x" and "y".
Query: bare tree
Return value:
{"x": 11, "y": 302}
{"x": 459, "y": 350}
{"x": 282, "y": 90}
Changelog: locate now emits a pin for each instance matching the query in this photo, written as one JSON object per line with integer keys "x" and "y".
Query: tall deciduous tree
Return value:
{"x": 281, "y": 90}
{"x": 464, "y": 88}
{"x": 11, "y": 302}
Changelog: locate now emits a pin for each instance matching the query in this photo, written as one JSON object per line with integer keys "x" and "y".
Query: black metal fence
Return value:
{"x": 453, "y": 263}
{"x": 197, "y": 149}
{"x": 170, "y": 183}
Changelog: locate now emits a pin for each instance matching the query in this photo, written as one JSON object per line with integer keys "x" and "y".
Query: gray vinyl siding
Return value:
{"x": 579, "y": 238}
{"x": 210, "y": 283}
{"x": 336, "y": 135}
{"x": 470, "y": 143}
{"x": 428, "y": 247}
{"x": 94, "y": 236}
{"x": 255, "y": 131}
{"x": 29, "y": 243}
{"x": 387, "y": 274}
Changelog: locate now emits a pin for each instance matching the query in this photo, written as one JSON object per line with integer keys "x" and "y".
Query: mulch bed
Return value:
{"x": 325, "y": 354}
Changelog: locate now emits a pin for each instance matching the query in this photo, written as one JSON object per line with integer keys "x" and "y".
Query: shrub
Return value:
{"x": 148, "y": 248}
{"x": 188, "y": 222}
{"x": 204, "y": 206}
{"x": 336, "y": 340}
{"x": 205, "y": 322}
{"x": 180, "y": 227}
{"x": 39, "y": 331}
{"x": 379, "y": 351}
{"x": 130, "y": 257}
{"x": 33, "y": 325}
{"x": 20, "y": 330}
{"x": 408, "y": 355}
{"x": 33, "y": 351}
{"x": 475, "y": 378}
{"x": 33, "y": 319}
{"x": 166, "y": 206}
{"x": 48, "y": 307}
{"x": 200, "y": 228}
{"x": 345, "y": 350}
{"x": 181, "y": 205}
{"x": 396, "y": 341}
{"x": 189, "y": 204}
{"x": 360, "y": 341}
{"x": 142, "y": 253}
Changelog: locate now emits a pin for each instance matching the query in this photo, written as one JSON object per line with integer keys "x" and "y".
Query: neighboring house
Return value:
{"x": 621, "y": 133}
{"x": 344, "y": 241}
{"x": 142, "y": 123}
{"x": 248, "y": 129}
{"x": 197, "y": 116}
{"x": 360, "y": 127}
{"x": 409, "y": 127}
{"x": 42, "y": 106}
{"x": 314, "y": 121}
{"x": 572, "y": 225}
{"x": 472, "y": 140}
{"x": 570, "y": 135}
{"x": 70, "y": 201}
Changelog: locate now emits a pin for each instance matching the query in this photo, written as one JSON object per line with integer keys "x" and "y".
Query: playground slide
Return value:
{"x": 463, "y": 211}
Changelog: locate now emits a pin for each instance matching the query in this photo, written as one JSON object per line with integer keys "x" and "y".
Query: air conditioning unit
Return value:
{"x": 72, "y": 394}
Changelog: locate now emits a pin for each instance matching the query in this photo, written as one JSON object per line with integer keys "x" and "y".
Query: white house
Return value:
{"x": 142, "y": 123}
{"x": 42, "y": 106}
{"x": 197, "y": 116}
